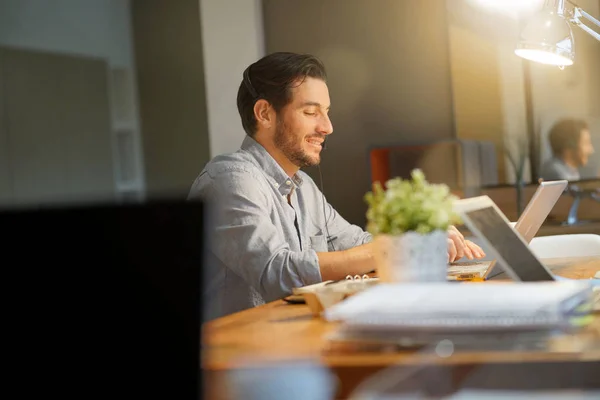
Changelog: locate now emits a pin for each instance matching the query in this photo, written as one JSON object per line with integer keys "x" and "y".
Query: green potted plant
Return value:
{"x": 409, "y": 221}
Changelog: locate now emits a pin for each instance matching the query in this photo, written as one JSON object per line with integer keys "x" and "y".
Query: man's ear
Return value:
{"x": 263, "y": 114}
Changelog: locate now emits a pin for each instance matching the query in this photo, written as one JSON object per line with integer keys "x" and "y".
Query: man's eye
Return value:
{"x": 310, "y": 113}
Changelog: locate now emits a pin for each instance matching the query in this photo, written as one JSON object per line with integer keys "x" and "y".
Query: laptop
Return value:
{"x": 542, "y": 202}
{"x": 532, "y": 218}
{"x": 508, "y": 247}
{"x": 112, "y": 291}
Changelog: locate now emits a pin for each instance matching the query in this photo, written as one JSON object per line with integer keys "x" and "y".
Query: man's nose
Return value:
{"x": 325, "y": 127}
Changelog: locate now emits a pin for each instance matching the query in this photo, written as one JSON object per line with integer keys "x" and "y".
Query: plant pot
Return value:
{"x": 412, "y": 257}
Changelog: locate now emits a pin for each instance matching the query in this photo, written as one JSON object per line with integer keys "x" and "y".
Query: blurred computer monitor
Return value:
{"x": 105, "y": 296}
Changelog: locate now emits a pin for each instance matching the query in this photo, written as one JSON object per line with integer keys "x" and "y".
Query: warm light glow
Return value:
{"x": 508, "y": 7}
{"x": 543, "y": 57}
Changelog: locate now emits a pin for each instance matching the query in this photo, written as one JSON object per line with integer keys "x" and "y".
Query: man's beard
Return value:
{"x": 294, "y": 152}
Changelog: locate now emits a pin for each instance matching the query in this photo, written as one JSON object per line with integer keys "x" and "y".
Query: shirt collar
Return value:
{"x": 276, "y": 175}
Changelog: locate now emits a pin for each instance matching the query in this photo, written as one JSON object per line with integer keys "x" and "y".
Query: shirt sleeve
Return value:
{"x": 342, "y": 234}
{"x": 245, "y": 239}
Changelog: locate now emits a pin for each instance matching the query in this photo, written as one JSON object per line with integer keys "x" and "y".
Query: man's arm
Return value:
{"x": 245, "y": 239}
{"x": 342, "y": 234}
{"x": 360, "y": 260}
{"x": 354, "y": 261}
{"x": 353, "y": 251}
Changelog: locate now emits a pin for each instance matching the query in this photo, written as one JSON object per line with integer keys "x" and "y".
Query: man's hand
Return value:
{"x": 459, "y": 247}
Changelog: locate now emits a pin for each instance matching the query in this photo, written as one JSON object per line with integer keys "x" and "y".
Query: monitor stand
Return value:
{"x": 579, "y": 194}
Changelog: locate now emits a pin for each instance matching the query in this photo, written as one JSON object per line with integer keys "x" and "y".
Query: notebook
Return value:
{"x": 441, "y": 307}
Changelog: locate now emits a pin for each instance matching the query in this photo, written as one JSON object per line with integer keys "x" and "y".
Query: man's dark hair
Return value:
{"x": 565, "y": 134}
{"x": 272, "y": 78}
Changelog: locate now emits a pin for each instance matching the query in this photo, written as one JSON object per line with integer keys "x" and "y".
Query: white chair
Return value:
{"x": 572, "y": 245}
{"x": 556, "y": 246}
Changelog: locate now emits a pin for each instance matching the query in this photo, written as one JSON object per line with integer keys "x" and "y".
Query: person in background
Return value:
{"x": 571, "y": 144}
{"x": 271, "y": 229}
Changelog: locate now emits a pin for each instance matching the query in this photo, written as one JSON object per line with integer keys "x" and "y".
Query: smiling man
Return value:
{"x": 270, "y": 228}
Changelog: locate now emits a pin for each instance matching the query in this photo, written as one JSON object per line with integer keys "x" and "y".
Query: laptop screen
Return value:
{"x": 508, "y": 245}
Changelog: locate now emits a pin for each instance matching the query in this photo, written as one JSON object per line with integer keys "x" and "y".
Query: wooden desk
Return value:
{"x": 282, "y": 332}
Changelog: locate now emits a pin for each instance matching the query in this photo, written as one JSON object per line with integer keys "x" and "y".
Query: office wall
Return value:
{"x": 389, "y": 79}
{"x": 487, "y": 77}
{"x": 168, "y": 51}
{"x": 232, "y": 39}
{"x": 56, "y": 120}
{"x": 96, "y": 29}
{"x": 5, "y": 162}
{"x": 476, "y": 86}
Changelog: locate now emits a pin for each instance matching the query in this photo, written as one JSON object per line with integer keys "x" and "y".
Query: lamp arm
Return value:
{"x": 578, "y": 13}
{"x": 589, "y": 17}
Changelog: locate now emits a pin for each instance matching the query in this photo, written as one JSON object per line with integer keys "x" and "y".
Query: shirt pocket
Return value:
{"x": 318, "y": 243}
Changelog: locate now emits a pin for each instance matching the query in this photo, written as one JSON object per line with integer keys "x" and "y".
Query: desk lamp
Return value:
{"x": 548, "y": 38}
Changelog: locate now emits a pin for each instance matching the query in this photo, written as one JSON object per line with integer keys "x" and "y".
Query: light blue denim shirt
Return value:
{"x": 259, "y": 247}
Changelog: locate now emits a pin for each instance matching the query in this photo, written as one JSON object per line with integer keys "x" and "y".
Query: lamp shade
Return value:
{"x": 547, "y": 38}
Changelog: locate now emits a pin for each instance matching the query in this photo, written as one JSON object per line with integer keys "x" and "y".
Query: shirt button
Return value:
{"x": 288, "y": 183}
